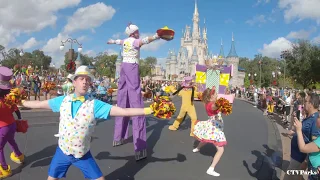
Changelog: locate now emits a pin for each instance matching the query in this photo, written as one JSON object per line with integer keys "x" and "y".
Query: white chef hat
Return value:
{"x": 131, "y": 28}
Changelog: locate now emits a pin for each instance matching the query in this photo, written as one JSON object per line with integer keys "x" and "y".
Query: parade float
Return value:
{"x": 216, "y": 74}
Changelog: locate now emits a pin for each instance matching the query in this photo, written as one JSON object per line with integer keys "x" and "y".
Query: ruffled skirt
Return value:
{"x": 210, "y": 131}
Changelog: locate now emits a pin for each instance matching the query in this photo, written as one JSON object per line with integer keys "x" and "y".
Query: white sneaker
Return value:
{"x": 195, "y": 150}
{"x": 211, "y": 172}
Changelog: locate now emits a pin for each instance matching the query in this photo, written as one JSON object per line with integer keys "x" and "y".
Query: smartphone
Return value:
{"x": 298, "y": 114}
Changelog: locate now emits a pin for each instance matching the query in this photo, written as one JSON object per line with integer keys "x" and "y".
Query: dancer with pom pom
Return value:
{"x": 211, "y": 131}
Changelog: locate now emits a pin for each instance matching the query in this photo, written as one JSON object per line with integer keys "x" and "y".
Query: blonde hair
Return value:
{"x": 206, "y": 95}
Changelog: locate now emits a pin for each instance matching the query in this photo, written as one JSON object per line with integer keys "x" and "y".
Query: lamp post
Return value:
{"x": 284, "y": 55}
{"x": 21, "y": 54}
{"x": 252, "y": 75}
{"x": 275, "y": 75}
{"x": 260, "y": 63}
{"x": 71, "y": 50}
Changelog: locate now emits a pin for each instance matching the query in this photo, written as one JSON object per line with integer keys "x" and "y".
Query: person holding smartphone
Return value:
{"x": 312, "y": 148}
{"x": 307, "y": 132}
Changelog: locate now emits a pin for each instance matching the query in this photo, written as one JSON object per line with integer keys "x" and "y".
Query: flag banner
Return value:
{"x": 213, "y": 78}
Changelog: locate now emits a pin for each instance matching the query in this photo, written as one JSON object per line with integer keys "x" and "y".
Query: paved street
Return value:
{"x": 252, "y": 150}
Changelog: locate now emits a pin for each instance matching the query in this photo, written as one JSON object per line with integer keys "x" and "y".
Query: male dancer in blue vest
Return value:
{"x": 76, "y": 129}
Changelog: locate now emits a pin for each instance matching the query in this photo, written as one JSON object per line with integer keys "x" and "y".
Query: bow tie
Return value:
{"x": 80, "y": 98}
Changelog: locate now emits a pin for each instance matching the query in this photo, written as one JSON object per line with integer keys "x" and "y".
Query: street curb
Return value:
{"x": 277, "y": 163}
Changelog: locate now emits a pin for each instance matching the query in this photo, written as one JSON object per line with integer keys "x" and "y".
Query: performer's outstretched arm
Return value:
{"x": 36, "y": 104}
{"x": 118, "y": 111}
{"x": 118, "y": 41}
{"x": 149, "y": 39}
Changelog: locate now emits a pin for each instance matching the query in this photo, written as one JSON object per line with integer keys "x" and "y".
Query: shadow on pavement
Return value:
{"x": 265, "y": 164}
{"x": 38, "y": 159}
{"x": 132, "y": 167}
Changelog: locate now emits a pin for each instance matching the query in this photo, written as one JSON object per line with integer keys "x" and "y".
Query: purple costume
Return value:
{"x": 129, "y": 92}
{"x": 129, "y": 96}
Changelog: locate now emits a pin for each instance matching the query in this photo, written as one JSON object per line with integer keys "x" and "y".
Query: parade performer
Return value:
{"x": 129, "y": 90}
{"x": 187, "y": 94}
{"x": 78, "y": 114}
{"x": 7, "y": 124}
{"x": 211, "y": 131}
{"x": 67, "y": 87}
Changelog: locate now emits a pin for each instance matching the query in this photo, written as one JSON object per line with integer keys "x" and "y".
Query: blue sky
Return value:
{"x": 259, "y": 26}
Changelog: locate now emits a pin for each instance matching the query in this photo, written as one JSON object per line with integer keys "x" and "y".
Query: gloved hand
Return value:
{"x": 148, "y": 111}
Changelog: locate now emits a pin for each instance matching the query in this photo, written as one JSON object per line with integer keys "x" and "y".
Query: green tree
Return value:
{"x": 146, "y": 66}
{"x": 37, "y": 58}
{"x": 302, "y": 62}
{"x": 106, "y": 64}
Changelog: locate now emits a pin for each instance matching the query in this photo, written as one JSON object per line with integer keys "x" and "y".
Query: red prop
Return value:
{"x": 165, "y": 33}
{"x": 22, "y": 126}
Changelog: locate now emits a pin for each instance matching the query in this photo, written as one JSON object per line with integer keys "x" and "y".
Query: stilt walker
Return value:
{"x": 129, "y": 91}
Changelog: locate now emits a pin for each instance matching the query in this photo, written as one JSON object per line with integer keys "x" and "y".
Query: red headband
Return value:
{"x": 213, "y": 90}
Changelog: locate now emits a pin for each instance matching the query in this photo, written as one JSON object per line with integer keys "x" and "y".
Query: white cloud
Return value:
{"x": 257, "y": 20}
{"x": 261, "y": 1}
{"x": 302, "y": 34}
{"x": 275, "y": 47}
{"x": 90, "y": 53}
{"x": 27, "y": 16}
{"x": 111, "y": 52}
{"x": 89, "y": 17}
{"x": 32, "y": 42}
{"x": 153, "y": 46}
{"x": 300, "y": 9}
{"x": 229, "y": 21}
{"x": 316, "y": 40}
{"x": 117, "y": 35}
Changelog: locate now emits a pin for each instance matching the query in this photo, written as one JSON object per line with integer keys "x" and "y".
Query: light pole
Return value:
{"x": 71, "y": 51}
{"x": 260, "y": 63}
{"x": 275, "y": 75}
{"x": 21, "y": 54}
{"x": 252, "y": 75}
{"x": 284, "y": 55}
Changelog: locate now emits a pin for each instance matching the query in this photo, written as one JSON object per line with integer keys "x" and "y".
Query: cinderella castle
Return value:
{"x": 194, "y": 50}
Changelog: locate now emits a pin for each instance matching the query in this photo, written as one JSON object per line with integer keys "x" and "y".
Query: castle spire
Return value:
{"x": 232, "y": 52}
{"x": 221, "y": 54}
{"x": 196, "y": 29}
{"x": 195, "y": 8}
{"x": 204, "y": 33}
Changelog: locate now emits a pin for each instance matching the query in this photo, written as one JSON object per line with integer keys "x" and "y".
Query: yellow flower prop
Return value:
{"x": 110, "y": 91}
{"x": 167, "y": 89}
{"x": 49, "y": 86}
{"x": 15, "y": 97}
{"x": 163, "y": 107}
{"x": 224, "y": 106}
